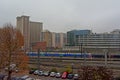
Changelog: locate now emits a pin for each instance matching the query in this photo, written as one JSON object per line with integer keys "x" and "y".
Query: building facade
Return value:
{"x": 39, "y": 46}
{"x": 23, "y": 26}
{"x": 58, "y": 40}
{"x": 47, "y": 37}
{"x": 73, "y": 35}
{"x": 30, "y": 30}
{"x": 54, "y": 40}
{"x": 95, "y": 42}
{"x": 35, "y": 31}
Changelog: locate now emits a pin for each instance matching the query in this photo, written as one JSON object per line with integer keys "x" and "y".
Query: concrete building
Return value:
{"x": 86, "y": 41}
{"x": 35, "y": 31}
{"x": 53, "y": 39}
{"x": 62, "y": 39}
{"x": 23, "y": 26}
{"x": 58, "y": 40}
{"x": 47, "y": 37}
{"x": 30, "y": 30}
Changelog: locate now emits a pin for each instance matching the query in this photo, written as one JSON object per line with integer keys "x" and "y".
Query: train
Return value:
{"x": 76, "y": 55}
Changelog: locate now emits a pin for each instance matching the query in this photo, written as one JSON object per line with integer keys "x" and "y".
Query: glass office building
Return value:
{"x": 94, "y": 42}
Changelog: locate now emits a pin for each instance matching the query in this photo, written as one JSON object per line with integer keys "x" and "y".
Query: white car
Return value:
{"x": 52, "y": 74}
{"x": 76, "y": 76}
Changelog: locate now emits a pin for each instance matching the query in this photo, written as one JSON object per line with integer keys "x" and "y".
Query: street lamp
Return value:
{"x": 38, "y": 59}
{"x": 72, "y": 64}
{"x": 81, "y": 45}
{"x": 105, "y": 53}
{"x": 85, "y": 58}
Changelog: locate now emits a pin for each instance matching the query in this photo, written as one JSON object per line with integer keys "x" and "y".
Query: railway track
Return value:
{"x": 58, "y": 61}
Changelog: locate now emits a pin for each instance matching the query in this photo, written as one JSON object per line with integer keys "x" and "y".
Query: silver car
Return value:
{"x": 58, "y": 75}
{"x": 36, "y": 72}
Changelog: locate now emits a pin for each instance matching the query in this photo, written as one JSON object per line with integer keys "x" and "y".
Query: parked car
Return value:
{"x": 70, "y": 76}
{"x": 76, "y": 77}
{"x": 31, "y": 71}
{"x": 52, "y": 74}
{"x": 36, "y": 72}
{"x": 64, "y": 75}
{"x": 58, "y": 75}
{"x": 46, "y": 73}
{"x": 2, "y": 76}
{"x": 41, "y": 73}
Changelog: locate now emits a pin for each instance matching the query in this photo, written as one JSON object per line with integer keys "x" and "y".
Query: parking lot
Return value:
{"x": 35, "y": 77}
{"x": 43, "y": 77}
{"x": 46, "y": 78}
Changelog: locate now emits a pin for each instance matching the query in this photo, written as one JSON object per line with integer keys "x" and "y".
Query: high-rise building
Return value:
{"x": 23, "y": 26}
{"x": 35, "y": 31}
{"x": 30, "y": 30}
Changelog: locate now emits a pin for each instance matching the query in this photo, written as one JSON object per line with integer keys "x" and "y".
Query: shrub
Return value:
{"x": 95, "y": 73}
{"x": 53, "y": 70}
{"x": 68, "y": 69}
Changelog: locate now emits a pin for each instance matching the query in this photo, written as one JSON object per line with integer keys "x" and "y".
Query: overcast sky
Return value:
{"x": 64, "y": 15}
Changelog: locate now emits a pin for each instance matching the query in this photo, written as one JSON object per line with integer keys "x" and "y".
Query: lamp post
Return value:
{"x": 38, "y": 59}
{"x": 81, "y": 45}
{"x": 105, "y": 54}
{"x": 72, "y": 66}
{"x": 85, "y": 58}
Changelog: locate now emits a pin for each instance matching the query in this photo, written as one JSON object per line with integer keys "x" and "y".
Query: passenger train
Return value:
{"x": 77, "y": 55}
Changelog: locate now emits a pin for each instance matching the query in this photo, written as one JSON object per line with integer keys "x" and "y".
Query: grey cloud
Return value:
{"x": 63, "y": 15}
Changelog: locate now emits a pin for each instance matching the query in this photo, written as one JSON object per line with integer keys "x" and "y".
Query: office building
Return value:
{"x": 94, "y": 42}
{"x": 74, "y": 34}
